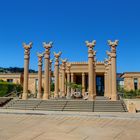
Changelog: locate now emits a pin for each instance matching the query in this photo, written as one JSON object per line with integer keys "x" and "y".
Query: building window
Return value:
{"x": 135, "y": 83}
{"x": 10, "y": 80}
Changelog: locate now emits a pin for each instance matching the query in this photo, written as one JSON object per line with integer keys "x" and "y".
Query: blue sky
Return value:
{"x": 69, "y": 23}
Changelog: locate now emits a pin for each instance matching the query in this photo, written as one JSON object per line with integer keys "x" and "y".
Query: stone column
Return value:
{"x": 83, "y": 83}
{"x": 94, "y": 72}
{"x": 50, "y": 77}
{"x": 72, "y": 81}
{"x": 60, "y": 82}
{"x": 109, "y": 75}
{"x": 68, "y": 80}
{"x": 46, "y": 70}
{"x": 113, "y": 46}
{"x": 26, "y": 69}
{"x": 56, "y": 74}
{"x": 63, "y": 76}
{"x": 91, "y": 93}
{"x": 39, "y": 94}
{"x": 106, "y": 79}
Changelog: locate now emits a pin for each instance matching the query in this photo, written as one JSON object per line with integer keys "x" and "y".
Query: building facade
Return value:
{"x": 79, "y": 75}
{"x": 96, "y": 78}
{"x": 131, "y": 80}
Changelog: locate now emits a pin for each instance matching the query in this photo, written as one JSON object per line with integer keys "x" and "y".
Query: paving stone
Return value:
{"x": 69, "y": 127}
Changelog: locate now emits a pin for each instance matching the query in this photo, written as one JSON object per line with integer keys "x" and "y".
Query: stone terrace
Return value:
{"x": 70, "y": 126}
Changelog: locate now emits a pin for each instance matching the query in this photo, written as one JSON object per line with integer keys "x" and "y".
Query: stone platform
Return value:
{"x": 17, "y": 125}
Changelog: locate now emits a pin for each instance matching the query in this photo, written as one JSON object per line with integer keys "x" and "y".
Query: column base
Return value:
{"x": 83, "y": 92}
{"x": 91, "y": 98}
{"x": 56, "y": 96}
{"x": 63, "y": 94}
{"x": 39, "y": 96}
{"x": 68, "y": 97}
{"x": 25, "y": 96}
{"x": 45, "y": 96}
{"x": 114, "y": 98}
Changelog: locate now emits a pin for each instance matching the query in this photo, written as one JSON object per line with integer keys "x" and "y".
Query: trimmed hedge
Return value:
{"x": 6, "y": 88}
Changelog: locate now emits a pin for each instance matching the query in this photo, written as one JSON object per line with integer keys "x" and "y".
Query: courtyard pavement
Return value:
{"x": 30, "y": 125}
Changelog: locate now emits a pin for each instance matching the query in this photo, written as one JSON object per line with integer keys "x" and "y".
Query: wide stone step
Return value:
{"x": 20, "y": 108}
{"x": 67, "y": 105}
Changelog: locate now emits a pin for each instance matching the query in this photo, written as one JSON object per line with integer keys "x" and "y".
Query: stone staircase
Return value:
{"x": 4, "y": 100}
{"x": 99, "y": 105}
{"x": 109, "y": 106}
{"x": 22, "y": 104}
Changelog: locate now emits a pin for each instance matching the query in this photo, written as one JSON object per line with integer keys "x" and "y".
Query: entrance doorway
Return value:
{"x": 100, "y": 85}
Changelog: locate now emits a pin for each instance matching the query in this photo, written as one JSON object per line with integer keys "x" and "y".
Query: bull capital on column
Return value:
{"x": 90, "y": 46}
{"x": 64, "y": 61}
{"x": 68, "y": 67}
{"x": 27, "y": 48}
{"x": 113, "y": 45}
{"x": 40, "y": 56}
{"x": 57, "y": 55}
{"x": 47, "y": 45}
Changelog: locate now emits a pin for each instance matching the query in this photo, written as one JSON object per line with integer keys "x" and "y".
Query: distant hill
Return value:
{"x": 14, "y": 70}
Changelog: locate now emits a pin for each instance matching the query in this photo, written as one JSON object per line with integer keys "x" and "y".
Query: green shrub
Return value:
{"x": 6, "y": 88}
{"x": 131, "y": 94}
{"x": 75, "y": 87}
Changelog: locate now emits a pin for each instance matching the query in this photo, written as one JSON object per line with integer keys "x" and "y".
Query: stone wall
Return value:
{"x": 128, "y": 84}
{"x": 134, "y": 102}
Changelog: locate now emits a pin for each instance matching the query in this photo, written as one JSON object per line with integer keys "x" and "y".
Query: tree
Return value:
{"x": 75, "y": 87}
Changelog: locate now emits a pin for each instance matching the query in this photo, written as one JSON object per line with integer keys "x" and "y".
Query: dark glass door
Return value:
{"x": 100, "y": 85}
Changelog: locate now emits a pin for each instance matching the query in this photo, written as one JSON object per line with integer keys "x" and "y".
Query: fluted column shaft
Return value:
{"x": 94, "y": 73}
{"x": 50, "y": 77}
{"x": 63, "y": 76}
{"x": 68, "y": 80}
{"x": 90, "y": 77}
{"x": 83, "y": 84}
{"x": 56, "y": 74}
{"x": 63, "y": 83}
{"x": 114, "y": 79}
{"x": 106, "y": 82}
{"x": 26, "y": 69}
{"x": 72, "y": 81}
{"x": 39, "y": 94}
{"x": 110, "y": 79}
{"x": 46, "y": 83}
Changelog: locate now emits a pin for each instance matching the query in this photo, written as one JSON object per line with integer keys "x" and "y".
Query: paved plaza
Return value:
{"x": 69, "y": 126}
